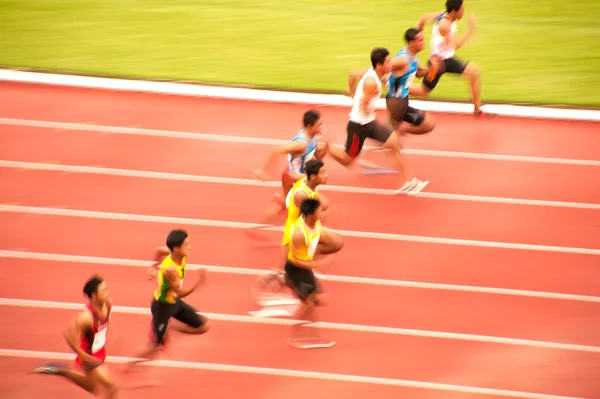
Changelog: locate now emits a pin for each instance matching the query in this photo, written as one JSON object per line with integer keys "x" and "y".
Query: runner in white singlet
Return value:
{"x": 444, "y": 43}
{"x": 87, "y": 338}
{"x": 362, "y": 123}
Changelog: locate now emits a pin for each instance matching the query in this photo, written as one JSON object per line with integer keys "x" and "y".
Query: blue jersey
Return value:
{"x": 295, "y": 162}
{"x": 399, "y": 85}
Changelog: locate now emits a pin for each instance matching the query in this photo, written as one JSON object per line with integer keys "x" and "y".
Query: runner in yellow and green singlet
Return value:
{"x": 169, "y": 271}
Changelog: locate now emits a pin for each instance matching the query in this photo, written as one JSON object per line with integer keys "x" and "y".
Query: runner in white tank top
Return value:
{"x": 363, "y": 124}
{"x": 361, "y": 112}
{"x": 444, "y": 43}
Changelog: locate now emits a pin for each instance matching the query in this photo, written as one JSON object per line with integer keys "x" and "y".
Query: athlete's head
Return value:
{"x": 381, "y": 60}
{"x": 415, "y": 40}
{"x": 96, "y": 290}
{"x": 178, "y": 242}
{"x": 311, "y": 210}
{"x": 455, "y": 9}
{"x": 312, "y": 121}
{"x": 315, "y": 172}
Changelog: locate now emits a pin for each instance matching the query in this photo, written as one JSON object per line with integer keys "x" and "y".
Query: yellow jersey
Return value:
{"x": 307, "y": 250}
{"x": 164, "y": 292}
{"x": 293, "y": 210}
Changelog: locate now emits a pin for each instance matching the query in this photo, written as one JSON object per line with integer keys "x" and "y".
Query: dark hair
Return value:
{"x": 313, "y": 167}
{"x": 411, "y": 34}
{"x": 91, "y": 286}
{"x": 176, "y": 238}
{"x": 453, "y": 5}
{"x": 309, "y": 206}
{"x": 378, "y": 56}
{"x": 311, "y": 117}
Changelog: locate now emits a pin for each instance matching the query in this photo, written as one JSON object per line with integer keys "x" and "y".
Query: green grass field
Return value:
{"x": 538, "y": 51}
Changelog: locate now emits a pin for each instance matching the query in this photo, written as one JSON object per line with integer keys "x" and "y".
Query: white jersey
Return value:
{"x": 356, "y": 113}
{"x": 438, "y": 43}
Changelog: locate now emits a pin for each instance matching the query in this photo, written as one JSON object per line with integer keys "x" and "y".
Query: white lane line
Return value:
{"x": 230, "y": 368}
{"x": 29, "y": 303}
{"x": 257, "y": 183}
{"x": 245, "y": 225}
{"x": 329, "y": 277}
{"x": 83, "y": 127}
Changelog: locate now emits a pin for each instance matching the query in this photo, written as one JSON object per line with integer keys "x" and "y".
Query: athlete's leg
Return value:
{"x": 473, "y": 73}
{"x": 409, "y": 184}
{"x": 101, "y": 376}
{"x": 310, "y": 293}
{"x": 355, "y": 139}
{"x": 80, "y": 379}
{"x": 277, "y": 207}
{"x": 161, "y": 314}
{"x": 417, "y": 122}
{"x": 192, "y": 322}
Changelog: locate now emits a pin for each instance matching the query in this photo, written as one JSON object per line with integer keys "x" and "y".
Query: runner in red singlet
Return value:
{"x": 87, "y": 337}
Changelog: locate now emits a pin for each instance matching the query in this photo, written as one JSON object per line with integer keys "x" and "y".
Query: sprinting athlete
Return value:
{"x": 362, "y": 123}
{"x": 307, "y": 188}
{"x": 306, "y": 234}
{"x": 170, "y": 270}
{"x": 90, "y": 327}
{"x": 444, "y": 43}
{"x": 271, "y": 283}
{"x": 304, "y": 147}
{"x": 405, "y": 67}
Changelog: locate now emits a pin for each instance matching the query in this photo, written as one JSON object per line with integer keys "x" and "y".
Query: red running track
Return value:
{"x": 426, "y": 310}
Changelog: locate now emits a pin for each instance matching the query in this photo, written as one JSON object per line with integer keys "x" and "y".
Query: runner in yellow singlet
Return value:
{"x": 306, "y": 187}
{"x": 273, "y": 282}
{"x": 169, "y": 271}
{"x": 305, "y": 235}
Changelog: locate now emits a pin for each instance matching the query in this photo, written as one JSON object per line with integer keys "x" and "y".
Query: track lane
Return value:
{"x": 479, "y": 266}
{"x": 264, "y": 119}
{"x": 441, "y": 361}
{"x": 572, "y": 183}
{"x": 443, "y": 311}
{"x": 415, "y": 216}
{"x": 480, "y": 142}
{"x": 180, "y": 382}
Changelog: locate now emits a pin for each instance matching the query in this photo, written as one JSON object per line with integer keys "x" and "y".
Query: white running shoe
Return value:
{"x": 412, "y": 187}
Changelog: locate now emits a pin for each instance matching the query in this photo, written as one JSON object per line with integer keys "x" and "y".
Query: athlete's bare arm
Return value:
{"x": 160, "y": 253}
{"x": 370, "y": 91}
{"x": 80, "y": 324}
{"x": 353, "y": 78}
{"x": 176, "y": 284}
{"x": 456, "y": 42}
{"x": 427, "y": 18}
{"x": 399, "y": 65}
{"x": 298, "y": 240}
{"x": 295, "y": 147}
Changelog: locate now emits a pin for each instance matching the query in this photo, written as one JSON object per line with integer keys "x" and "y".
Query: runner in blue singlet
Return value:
{"x": 405, "y": 67}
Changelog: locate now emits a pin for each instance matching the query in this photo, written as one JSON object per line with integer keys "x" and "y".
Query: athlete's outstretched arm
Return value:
{"x": 290, "y": 148}
{"x": 177, "y": 283}
{"x": 456, "y": 42}
{"x": 427, "y": 18}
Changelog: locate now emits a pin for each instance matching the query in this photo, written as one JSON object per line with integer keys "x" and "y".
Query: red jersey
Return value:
{"x": 93, "y": 341}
